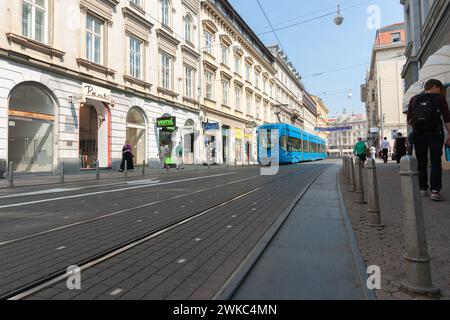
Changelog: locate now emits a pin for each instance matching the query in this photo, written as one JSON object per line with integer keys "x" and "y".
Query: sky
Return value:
{"x": 319, "y": 46}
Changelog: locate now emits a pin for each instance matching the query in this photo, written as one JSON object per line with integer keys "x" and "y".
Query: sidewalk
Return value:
{"x": 385, "y": 248}
{"x": 312, "y": 255}
{"x": 28, "y": 180}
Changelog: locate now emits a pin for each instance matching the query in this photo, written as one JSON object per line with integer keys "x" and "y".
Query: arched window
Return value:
{"x": 30, "y": 138}
{"x": 165, "y": 12}
{"x": 188, "y": 26}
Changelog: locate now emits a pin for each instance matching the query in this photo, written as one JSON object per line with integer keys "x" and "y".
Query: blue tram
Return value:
{"x": 294, "y": 145}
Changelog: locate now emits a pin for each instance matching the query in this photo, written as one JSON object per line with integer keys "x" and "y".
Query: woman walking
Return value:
{"x": 127, "y": 156}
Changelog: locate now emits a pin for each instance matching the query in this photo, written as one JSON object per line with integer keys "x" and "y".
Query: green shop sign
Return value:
{"x": 169, "y": 122}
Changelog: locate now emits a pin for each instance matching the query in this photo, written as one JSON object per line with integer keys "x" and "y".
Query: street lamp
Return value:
{"x": 339, "y": 19}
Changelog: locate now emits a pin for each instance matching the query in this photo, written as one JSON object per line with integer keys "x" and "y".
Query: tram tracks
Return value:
{"x": 58, "y": 276}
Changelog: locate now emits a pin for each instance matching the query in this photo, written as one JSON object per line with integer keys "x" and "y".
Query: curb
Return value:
{"x": 359, "y": 262}
{"x": 227, "y": 291}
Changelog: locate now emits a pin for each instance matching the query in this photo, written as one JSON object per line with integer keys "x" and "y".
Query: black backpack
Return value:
{"x": 426, "y": 115}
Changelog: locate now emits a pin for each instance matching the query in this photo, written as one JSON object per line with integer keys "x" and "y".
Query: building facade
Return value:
{"x": 81, "y": 77}
{"x": 322, "y": 117}
{"x": 342, "y": 142}
{"x": 427, "y": 47}
{"x": 383, "y": 91}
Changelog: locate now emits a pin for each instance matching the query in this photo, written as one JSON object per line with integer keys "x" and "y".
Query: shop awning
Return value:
{"x": 436, "y": 67}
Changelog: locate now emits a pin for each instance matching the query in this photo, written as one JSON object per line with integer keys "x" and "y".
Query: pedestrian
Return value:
{"x": 127, "y": 155}
{"x": 425, "y": 113}
{"x": 163, "y": 152}
{"x": 360, "y": 151}
{"x": 400, "y": 147}
{"x": 411, "y": 143}
{"x": 166, "y": 156}
{"x": 385, "y": 148}
{"x": 179, "y": 154}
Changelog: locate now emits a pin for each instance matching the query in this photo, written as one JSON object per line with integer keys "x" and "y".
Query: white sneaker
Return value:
{"x": 424, "y": 193}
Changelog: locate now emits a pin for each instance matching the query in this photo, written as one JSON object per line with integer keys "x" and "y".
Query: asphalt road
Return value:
{"x": 221, "y": 216}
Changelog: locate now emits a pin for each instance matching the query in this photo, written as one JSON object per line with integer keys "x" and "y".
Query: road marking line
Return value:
{"x": 61, "y": 248}
{"x": 119, "y": 212}
{"x": 198, "y": 239}
{"x": 110, "y": 191}
{"x": 181, "y": 261}
{"x": 116, "y": 292}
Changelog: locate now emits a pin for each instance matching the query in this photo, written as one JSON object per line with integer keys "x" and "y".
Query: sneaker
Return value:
{"x": 424, "y": 193}
{"x": 436, "y": 196}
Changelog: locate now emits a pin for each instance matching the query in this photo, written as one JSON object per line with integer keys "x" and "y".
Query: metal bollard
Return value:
{"x": 143, "y": 167}
{"x": 372, "y": 195}
{"x": 61, "y": 173}
{"x": 343, "y": 167}
{"x": 97, "y": 170}
{"x": 11, "y": 174}
{"x": 359, "y": 181}
{"x": 352, "y": 184}
{"x": 125, "y": 171}
{"x": 417, "y": 261}
{"x": 348, "y": 170}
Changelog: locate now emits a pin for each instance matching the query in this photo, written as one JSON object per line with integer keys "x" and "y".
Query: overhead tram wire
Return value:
{"x": 312, "y": 19}
{"x": 270, "y": 24}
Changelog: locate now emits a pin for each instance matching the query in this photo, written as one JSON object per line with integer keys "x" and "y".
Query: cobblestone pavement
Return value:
{"x": 385, "y": 248}
{"x": 175, "y": 265}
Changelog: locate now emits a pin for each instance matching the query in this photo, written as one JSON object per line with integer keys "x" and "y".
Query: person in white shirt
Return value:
{"x": 385, "y": 147}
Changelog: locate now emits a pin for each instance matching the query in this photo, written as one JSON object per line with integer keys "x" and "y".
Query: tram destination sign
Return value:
{"x": 331, "y": 129}
{"x": 166, "y": 122}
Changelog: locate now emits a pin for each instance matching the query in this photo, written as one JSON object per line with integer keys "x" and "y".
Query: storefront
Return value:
{"x": 31, "y": 125}
{"x": 95, "y": 127}
{"x": 211, "y": 134}
{"x": 225, "y": 144}
{"x": 167, "y": 128}
{"x": 136, "y": 134}
{"x": 239, "y": 137}
{"x": 189, "y": 141}
{"x": 250, "y": 147}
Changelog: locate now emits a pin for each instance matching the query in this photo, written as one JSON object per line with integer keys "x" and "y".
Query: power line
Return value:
{"x": 270, "y": 24}
{"x": 312, "y": 19}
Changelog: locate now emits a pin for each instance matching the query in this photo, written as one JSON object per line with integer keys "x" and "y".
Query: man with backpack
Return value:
{"x": 425, "y": 114}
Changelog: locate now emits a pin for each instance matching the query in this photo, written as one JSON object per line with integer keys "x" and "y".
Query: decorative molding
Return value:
{"x": 167, "y": 92}
{"x": 101, "y": 9}
{"x": 138, "y": 82}
{"x": 96, "y": 67}
{"x": 209, "y": 65}
{"x": 35, "y": 45}
{"x": 226, "y": 40}
{"x": 189, "y": 51}
{"x": 225, "y": 75}
{"x": 167, "y": 37}
{"x": 210, "y": 26}
{"x": 192, "y": 5}
{"x": 133, "y": 16}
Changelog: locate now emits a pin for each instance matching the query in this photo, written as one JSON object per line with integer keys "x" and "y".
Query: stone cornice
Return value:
{"x": 161, "y": 33}
{"x": 96, "y": 67}
{"x": 190, "y": 51}
{"x": 35, "y": 45}
{"x": 138, "y": 17}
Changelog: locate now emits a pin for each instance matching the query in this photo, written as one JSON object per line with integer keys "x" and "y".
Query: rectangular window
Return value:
{"x": 249, "y": 105}
{"x": 209, "y": 85}
{"x": 258, "y": 105}
{"x": 257, "y": 79}
{"x": 264, "y": 85}
{"x": 94, "y": 34}
{"x": 34, "y": 19}
{"x": 189, "y": 82}
{"x": 238, "y": 99}
{"x": 136, "y": 2}
{"x": 237, "y": 65}
{"x": 225, "y": 52}
{"x": 396, "y": 37}
{"x": 248, "y": 69}
{"x": 135, "y": 58}
{"x": 208, "y": 42}
{"x": 225, "y": 91}
{"x": 166, "y": 71}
